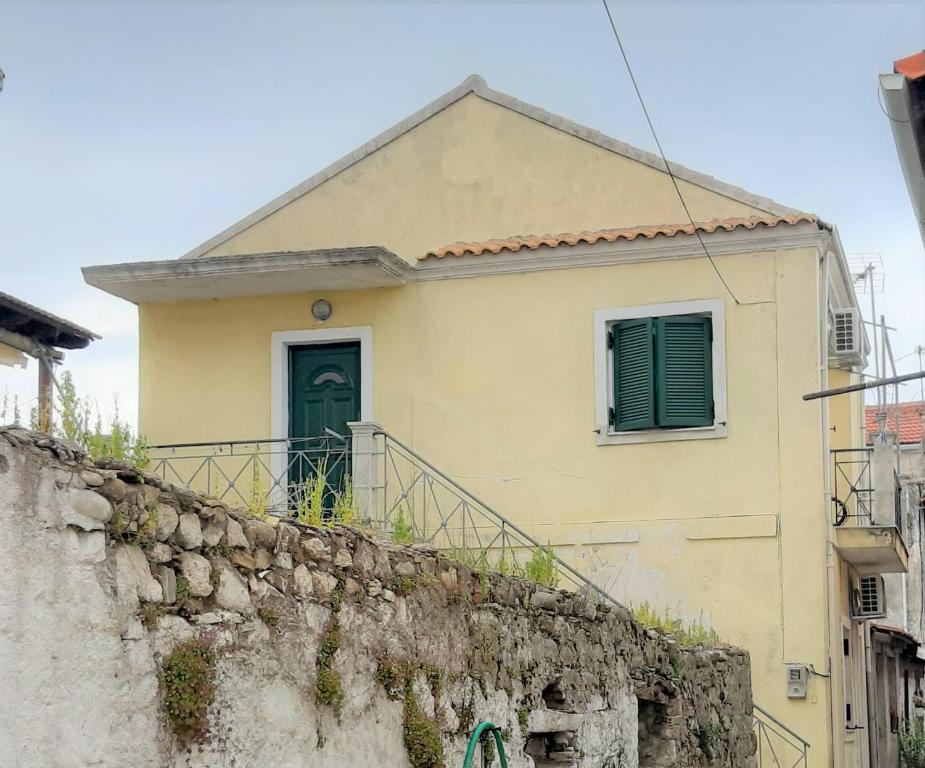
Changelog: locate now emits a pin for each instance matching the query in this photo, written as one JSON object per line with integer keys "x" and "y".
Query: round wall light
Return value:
{"x": 322, "y": 310}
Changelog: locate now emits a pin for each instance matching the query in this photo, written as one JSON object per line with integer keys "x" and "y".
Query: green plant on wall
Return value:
{"x": 257, "y": 502}
{"x": 688, "y": 634}
{"x": 912, "y": 745}
{"x": 344, "y": 510}
{"x": 401, "y": 529}
{"x": 420, "y": 733}
{"x": 541, "y": 567}
{"x": 187, "y": 675}
{"x": 114, "y": 440}
{"x": 329, "y": 690}
{"x": 309, "y": 496}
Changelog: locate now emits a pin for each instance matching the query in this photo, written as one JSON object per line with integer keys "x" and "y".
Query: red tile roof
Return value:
{"x": 910, "y": 422}
{"x": 532, "y": 242}
{"x": 913, "y": 67}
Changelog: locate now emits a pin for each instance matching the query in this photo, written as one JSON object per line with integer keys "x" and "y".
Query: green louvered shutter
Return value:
{"x": 684, "y": 371}
{"x": 633, "y": 375}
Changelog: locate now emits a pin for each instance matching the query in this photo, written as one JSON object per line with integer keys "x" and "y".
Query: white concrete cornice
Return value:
{"x": 477, "y": 85}
{"x": 374, "y": 267}
{"x": 250, "y": 274}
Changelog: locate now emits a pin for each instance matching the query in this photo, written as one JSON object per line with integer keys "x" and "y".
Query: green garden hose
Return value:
{"x": 477, "y": 736}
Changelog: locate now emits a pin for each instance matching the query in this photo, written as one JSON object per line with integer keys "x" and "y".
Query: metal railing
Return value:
{"x": 853, "y": 489}
{"x": 777, "y": 745}
{"x": 852, "y": 486}
{"x": 257, "y": 474}
{"x": 411, "y": 500}
{"x": 415, "y": 500}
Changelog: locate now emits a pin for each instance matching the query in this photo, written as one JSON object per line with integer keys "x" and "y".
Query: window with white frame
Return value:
{"x": 660, "y": 372}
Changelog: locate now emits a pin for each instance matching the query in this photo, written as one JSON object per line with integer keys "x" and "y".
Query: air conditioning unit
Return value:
{"x": 868, "y": 600}
{"x": 847, "y": 337}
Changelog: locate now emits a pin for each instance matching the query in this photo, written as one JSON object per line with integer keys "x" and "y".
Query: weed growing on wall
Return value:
{"x": 80, "y": 423}
{"x": 309, "y": 496}
{"x": 183, "y": 588}
{"x": 912, "y": 745}
{"x": 257, "y": 503}
{"x": 541, "y": 567}
{"x": 420, "y": 733}
{"x": 401, "y": 529}
{"x": 689, "y": 634}
{"x": 329, "y": 690}
{"x": 344, "y": 510}
{"x": 187, "y": 676}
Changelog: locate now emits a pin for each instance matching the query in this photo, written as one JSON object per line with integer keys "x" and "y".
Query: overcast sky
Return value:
{"x": 135, "y": 131}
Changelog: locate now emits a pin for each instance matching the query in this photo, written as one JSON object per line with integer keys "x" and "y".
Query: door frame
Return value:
{"x": 280, "y": 341}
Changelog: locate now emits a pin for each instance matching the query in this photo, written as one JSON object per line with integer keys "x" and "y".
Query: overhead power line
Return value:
{"x": 661, "y": 153}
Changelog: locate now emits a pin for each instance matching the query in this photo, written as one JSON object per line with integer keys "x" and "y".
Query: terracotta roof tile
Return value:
{"x": 532, "y": 242}
{"x": 910, "y": 422}
{"x": 913, "y": 67}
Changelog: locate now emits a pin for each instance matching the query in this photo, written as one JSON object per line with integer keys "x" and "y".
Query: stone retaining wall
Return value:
{"x": 312, "y": 646}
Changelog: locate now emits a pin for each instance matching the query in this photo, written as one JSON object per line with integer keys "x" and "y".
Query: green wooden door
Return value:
{"x": 324, "y": 392}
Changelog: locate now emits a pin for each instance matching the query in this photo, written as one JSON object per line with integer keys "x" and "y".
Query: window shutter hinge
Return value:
{"x": 610, "y": 338}
{"x": 611, "y": 416}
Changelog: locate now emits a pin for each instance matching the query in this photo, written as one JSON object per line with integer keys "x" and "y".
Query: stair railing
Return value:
{"x": 415, "y": 499}
{"x": 777, "y": 745}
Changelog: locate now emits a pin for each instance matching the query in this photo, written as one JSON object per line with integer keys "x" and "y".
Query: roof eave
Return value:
{"x": 42, "y": 326}
{"x": 250, "y": 275}
{"x": 901, "y": 102}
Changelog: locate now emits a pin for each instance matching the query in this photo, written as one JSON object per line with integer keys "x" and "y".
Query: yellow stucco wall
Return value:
{"x": 476, "y": 171}
{"x": 491, "y": 378}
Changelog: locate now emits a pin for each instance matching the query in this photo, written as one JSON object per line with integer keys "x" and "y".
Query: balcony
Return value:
{"x": 866, "y": 510}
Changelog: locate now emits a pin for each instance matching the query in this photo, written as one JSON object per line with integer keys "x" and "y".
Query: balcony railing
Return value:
{"x": 852, "y": 486}
{"x": 853, "y": 491}
{"x": 264, "y": 475}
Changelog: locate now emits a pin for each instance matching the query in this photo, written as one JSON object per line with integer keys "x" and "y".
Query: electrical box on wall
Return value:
{"x": 797, "y": 681}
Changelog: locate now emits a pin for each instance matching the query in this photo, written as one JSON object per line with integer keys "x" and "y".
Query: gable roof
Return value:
{"x": 476, "y": 85}
{"x": 532, "y": 242}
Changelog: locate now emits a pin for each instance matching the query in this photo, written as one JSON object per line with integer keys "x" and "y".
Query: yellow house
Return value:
{"x": 629, "y": 391}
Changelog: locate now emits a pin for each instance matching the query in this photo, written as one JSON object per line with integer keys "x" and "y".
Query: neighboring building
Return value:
{"x": 904, "y": 426}
{"x": 27, "y": 331}
{"x": 904, "y": 103}
{"x": 896, "y": 644}
{"x": 600, "y": 388}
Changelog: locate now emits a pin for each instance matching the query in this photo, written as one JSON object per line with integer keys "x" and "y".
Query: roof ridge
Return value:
{"x": 515, "y": 242}
{"x": 476, "y": 84}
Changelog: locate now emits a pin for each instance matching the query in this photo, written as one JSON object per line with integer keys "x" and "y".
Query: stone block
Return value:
{"x": 302, "y": 585}
{"x": 189, "y": 531}
{"x": 197, "y": 571}
{"x": 166, "y": 519}
{"x": 85, "y": 509}
{"x": 212, "y": 535}
{"x": 231, "y": 592}
{"x": 168, "y": 580}
{"x": 234, "y": 535}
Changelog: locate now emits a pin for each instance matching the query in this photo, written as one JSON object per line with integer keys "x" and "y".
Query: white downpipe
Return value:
{"x": 834, "y": 625}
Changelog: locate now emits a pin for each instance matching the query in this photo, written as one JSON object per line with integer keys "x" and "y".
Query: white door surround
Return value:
{"x": 280, "y": 341}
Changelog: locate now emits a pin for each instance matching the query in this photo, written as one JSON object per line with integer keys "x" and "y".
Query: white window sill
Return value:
{"x": 605, "y": 437}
